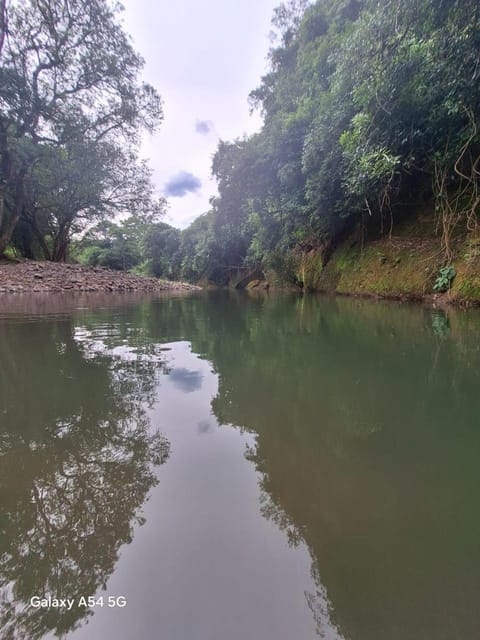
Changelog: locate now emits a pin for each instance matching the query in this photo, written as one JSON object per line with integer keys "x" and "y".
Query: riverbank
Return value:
{"x": 44, "y": 277}
{"x": 403, "y": 266}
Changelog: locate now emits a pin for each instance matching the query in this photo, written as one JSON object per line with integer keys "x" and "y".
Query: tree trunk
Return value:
{"x": 3, "y": 23}
{"x": 2, "y": 207}
{"x": 40, "y": 238}
{"x": 7, "y": 232}
{"x": 60, "y": 245}
{"x": 61, "y": 252}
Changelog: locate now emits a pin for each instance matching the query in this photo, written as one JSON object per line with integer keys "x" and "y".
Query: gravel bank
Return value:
{"x": 42, "y": 277}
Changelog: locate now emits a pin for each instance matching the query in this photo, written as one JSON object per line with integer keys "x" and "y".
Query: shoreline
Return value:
{"x": 434, "y": 301}
{"x": 32, "y": 277}
{"x": 403, "y": 267}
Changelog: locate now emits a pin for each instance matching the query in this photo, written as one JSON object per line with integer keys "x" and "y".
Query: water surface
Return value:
{"x": 241, "y": 468}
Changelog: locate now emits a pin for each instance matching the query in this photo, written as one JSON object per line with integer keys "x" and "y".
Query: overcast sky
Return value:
{"x": 204, "y": 58}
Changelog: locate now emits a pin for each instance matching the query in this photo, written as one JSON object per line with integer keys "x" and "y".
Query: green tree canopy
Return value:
{"x": 69, "y": 77}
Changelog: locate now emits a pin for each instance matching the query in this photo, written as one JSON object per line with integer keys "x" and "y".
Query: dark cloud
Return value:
{"x": 204, "y": 127}
{"x": 181, "y": 184}
{"x": 186, "y": 380}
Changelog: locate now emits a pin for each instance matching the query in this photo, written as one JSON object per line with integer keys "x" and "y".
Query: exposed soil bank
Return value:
{"x": 42, "y": 277}
{"x": 399, "y": 268}
{"x": 404, "y": 266}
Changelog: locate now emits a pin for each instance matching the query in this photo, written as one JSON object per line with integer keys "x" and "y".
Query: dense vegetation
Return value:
{"x": 371, "y": 112}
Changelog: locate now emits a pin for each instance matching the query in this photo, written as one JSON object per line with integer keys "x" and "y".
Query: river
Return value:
{"x": 234, "y": 467}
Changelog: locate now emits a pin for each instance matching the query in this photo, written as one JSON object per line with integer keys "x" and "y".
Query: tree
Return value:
{"x": 161, "y": 250}
{"x": 68, "y": 74}
{"x": 198, "y": 250}
{"x": 369, "y": 109}
{"x": 73, "y": 187}
{"x": 417, "y": 115}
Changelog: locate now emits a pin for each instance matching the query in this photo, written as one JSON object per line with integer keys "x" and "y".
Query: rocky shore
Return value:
{"x": 43, "y": 277}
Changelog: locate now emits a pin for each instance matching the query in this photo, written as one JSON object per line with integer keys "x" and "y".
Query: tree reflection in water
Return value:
{"x": 366, "y": 432}
{"x": 365, "y": 419}
{"x": 77, "y": 459}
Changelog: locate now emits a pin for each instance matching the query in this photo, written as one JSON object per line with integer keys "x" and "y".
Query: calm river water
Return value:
{"x": 238, "y": 468}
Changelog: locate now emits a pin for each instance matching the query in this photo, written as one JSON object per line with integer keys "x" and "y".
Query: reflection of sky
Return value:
{"x": 206, "y": 564}
{"x": 186, "y": 380}
{"x": 205, "y": 426}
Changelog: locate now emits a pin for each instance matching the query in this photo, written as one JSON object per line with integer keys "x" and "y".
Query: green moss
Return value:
{"x": 467, "y": 283}
{"x": 345, "y": 259}
{"x": 405, "y": 265}
{"x": 310, "y": 270}
{"x": 469, "y": 289}
{"x": 386, "y": 267}
{"x": 10, "y": 253}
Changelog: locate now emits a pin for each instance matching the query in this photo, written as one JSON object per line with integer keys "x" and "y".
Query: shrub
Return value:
{"x": 445, "y": 278}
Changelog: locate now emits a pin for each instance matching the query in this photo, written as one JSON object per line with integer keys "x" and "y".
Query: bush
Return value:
{"x": 444, "y": 279}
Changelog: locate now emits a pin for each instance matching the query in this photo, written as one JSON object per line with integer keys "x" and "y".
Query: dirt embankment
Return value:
{"x": 42, "y": 277}
{"x": 402, "y": 266}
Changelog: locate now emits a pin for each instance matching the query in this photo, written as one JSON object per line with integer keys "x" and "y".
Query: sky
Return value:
{"x": 203, "y": 58}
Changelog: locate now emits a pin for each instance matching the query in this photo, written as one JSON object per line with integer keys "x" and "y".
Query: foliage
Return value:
{"x": 368, "y": 108}
{"x": 161, "y": 245}
{"x": 111, "y": 245}
{"x": 445, "y": 278}
{"x": 71, "y": 108}
{"x": 198, "y": 253}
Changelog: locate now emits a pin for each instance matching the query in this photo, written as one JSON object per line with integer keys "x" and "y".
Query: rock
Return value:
{"x": 46, "y": 276}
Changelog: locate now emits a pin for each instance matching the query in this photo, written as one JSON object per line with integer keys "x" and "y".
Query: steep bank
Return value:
{"x": 403, "y": 266}
{"x": 38, "y": 277}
